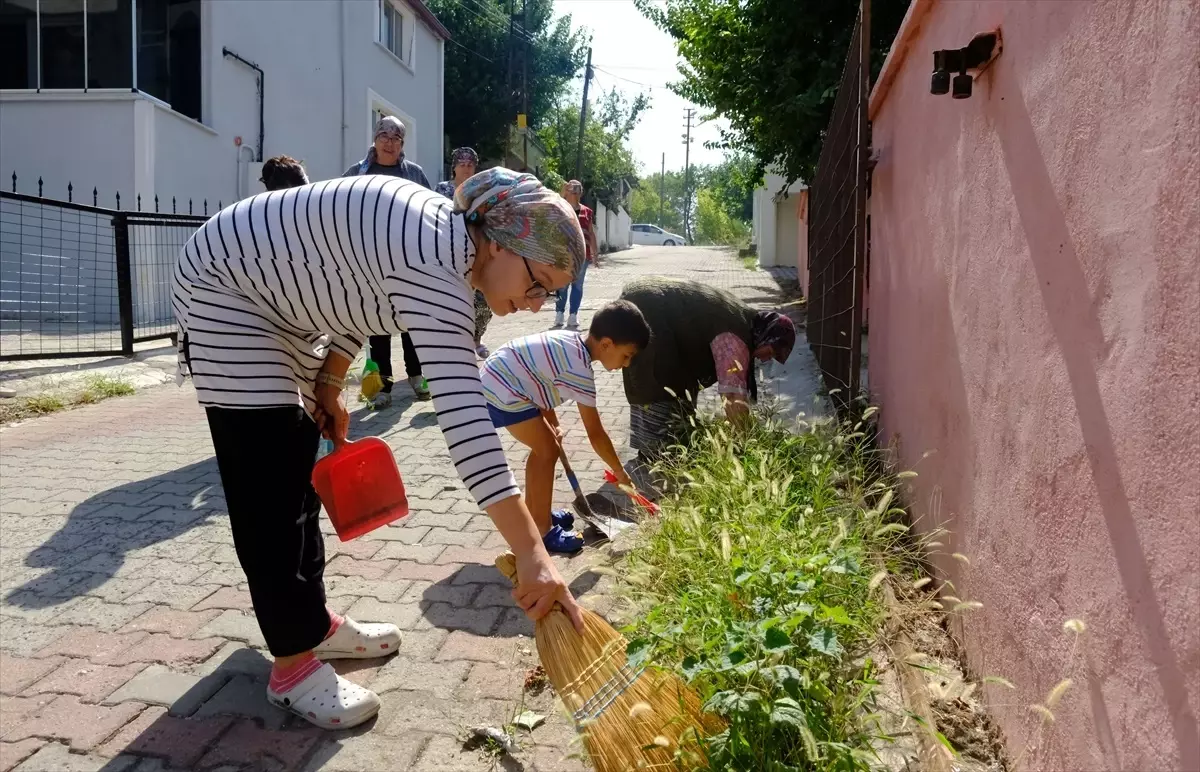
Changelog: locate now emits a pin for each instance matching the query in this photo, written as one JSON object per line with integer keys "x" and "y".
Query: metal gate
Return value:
{"x": 78, "y": 280}
{"x": 837, "y": 231}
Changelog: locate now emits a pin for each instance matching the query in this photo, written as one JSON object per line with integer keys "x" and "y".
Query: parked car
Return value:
{"x": 644, "y": 233}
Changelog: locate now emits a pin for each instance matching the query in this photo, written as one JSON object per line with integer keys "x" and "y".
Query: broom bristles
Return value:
{"x": 630, "y": 719}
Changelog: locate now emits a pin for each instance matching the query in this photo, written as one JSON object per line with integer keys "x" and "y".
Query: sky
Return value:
{"x": 633, "y": 55}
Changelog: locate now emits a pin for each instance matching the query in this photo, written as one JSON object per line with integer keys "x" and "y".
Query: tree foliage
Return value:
{"x": 644, "y": 201}
{"x": 479, "y": 106}
{"x": 713, "y": 225}
{"x": 720, "y": 205}
{"x": 771, "y": 67}
{"x": 607, "y": 160}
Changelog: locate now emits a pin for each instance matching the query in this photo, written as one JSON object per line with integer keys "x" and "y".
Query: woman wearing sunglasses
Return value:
{"x": 275, "y": 296}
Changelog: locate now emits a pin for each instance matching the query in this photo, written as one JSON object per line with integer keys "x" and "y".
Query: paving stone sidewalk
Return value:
{"x": 127, "y": 642}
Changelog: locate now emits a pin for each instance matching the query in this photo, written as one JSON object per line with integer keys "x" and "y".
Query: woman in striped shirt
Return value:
{"x": 274, "y": 297}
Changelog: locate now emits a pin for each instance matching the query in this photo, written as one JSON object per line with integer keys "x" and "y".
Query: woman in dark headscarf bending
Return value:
{"x": 700, "y": 336}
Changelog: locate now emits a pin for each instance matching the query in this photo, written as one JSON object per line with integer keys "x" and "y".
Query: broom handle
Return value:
{"x": 571, "y": 478}
{"x": 507, "y": 565}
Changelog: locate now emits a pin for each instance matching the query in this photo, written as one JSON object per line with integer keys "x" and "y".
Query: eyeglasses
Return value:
{"x": 537, "y": 291}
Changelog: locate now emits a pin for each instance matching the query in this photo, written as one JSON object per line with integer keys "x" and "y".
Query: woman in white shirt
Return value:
{"x": 275, "y": 296}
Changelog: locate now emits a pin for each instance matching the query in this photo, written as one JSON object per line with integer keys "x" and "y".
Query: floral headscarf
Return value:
{"x": 773, "y": 329}
{"x": 522, "y": 215}
{"x": 388, "y": 126}
{"x": 464, "y": 154}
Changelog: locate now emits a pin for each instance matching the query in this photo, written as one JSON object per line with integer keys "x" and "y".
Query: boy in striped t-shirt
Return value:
{"x": 525, "y": 379}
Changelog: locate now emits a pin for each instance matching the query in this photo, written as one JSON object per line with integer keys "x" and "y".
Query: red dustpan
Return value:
{"x": 360, "y": 486}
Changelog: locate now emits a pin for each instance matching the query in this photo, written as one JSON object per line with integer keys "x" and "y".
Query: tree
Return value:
{"x": 644, "y": 200}
{"x": 608, "y": 164}
{"x": 479, "y": 110}
{"x": 732, "y": 182}
{"x": 771, "y": 67}
{"x": 713, "y": 223}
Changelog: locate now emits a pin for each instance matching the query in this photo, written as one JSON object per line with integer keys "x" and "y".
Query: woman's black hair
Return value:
{"x": 281, "y": 172}
{"x": 621, "y": 322}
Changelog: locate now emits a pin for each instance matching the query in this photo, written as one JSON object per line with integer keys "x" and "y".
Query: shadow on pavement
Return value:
{"x": 225, "y": 721}
{"x": 91, "y": 547}
{"x": 99, "y": 533}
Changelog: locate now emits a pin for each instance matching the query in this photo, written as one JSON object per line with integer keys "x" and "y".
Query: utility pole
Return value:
{"x": 687, "y": 177}
{"x": 587, "y": 79}
{"x": 662, "y": 188}
{"x": 524, "y": 122}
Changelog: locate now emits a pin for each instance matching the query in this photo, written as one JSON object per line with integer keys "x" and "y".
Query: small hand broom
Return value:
{"x": 630, "y": 718}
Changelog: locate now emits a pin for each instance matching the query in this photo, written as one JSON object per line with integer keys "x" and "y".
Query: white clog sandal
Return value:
{"x": 328, "y": 700}
{"x": 358, "y": 640}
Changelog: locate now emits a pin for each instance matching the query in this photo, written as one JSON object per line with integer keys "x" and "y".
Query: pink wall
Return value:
{"x": 802, "y": 241}
{"x": 1035, "y": 286}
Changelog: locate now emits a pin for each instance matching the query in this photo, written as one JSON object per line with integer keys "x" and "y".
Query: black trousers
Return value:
{"x": 381, "y": 351}
{"x": 275, "y": 517}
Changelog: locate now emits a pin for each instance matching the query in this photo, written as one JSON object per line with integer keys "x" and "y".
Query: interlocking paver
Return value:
{"x": 73, "y": 721}
{"x": 236, "y": 626}
{"x": 181, "y": 693}
{"x": 180, "y": 741}
{"x": 12, "y": 754}
{"x": 18, "y": 672}
{"x": 442, "y": 679}
{"x": 89, "y": 681}
{"x": 56, "y": 757}
{"x": 175, "y": 623}
{"x": 262, "y": 748}
{"x": 114, "y": 549}
{"x": 92, "y": 644}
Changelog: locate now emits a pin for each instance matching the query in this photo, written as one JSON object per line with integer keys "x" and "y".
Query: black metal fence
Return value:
{"x": 837, "y": 231}
{"x": 82, "y": 280}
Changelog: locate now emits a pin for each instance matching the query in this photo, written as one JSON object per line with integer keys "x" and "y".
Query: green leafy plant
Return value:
{"x": 770, "y": 67}
{"x": 758, "y": 587}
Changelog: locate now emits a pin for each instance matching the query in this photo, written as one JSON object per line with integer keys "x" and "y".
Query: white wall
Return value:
{"x": 136, "y": 144}
{"x": 84, "y": 139}
{"x": 765, "y": 225}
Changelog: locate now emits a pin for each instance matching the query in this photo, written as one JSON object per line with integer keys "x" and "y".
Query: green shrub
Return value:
{"x": 757, "y": 587}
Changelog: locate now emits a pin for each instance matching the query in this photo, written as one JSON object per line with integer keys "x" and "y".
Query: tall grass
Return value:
{"x": 757, "y": 585}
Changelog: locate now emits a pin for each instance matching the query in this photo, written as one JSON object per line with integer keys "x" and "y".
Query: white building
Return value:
{"x": 780, "y": 227}
{"x": 184, "y": 98}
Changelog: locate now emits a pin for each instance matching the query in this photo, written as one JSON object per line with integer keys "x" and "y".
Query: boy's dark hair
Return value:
{"x": 621, "y": 322}
{"x": 281, "y": 172}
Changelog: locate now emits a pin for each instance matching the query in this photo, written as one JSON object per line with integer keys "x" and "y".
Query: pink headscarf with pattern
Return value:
{"x": 522, "y": 215}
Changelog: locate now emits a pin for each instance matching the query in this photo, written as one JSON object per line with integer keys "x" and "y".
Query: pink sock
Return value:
{"x": 335, "y": 621}
{"x": 284, "y": 679}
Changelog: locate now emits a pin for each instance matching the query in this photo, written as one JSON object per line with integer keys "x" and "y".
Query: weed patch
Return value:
{"x": 758, "y": 587}
{"x": 93, "y": 389}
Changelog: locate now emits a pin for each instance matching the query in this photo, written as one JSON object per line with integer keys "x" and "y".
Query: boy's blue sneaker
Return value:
{"x": 562, "y": 518}
{"x": 562, "y": 542}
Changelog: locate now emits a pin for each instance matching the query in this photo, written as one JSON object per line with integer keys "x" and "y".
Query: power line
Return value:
{"x": 455, "y": 43}
{"x": 630, "y": 80}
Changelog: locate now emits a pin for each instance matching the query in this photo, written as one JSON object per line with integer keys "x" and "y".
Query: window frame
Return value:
{"x": 407, "y": 30}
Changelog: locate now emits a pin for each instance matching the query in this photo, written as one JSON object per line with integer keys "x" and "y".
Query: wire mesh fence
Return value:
{"x": 837, "y": 228}
{"x": 79, "y": 280}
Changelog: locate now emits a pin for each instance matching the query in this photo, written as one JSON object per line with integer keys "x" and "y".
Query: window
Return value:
{"x": 83, "y": 44}
{"x": 394, "y": 24}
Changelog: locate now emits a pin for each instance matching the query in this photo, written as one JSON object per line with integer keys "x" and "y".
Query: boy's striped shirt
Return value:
{"x": 543, "y": 370}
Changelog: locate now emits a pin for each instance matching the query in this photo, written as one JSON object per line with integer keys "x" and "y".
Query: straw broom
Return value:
{"x": 630, "y": 718}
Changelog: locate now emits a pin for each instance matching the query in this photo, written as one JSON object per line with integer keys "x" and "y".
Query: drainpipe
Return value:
{"x": 342, "y": 68}
{"x": 262, "y": 89}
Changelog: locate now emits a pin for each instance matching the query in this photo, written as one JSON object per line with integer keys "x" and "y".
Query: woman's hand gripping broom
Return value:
{"x": 631, "y": 718}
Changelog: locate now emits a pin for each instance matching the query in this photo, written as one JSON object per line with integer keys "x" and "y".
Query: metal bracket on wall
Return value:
{"x": 969, "y": 62}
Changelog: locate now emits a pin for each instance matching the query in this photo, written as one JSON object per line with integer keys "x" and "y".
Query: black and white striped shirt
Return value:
{"x": 267, "y": 286}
